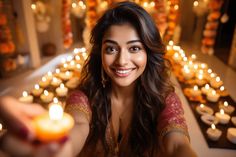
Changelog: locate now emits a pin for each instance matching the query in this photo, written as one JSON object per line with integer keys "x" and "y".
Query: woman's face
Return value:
{"x": 123, "y": 55}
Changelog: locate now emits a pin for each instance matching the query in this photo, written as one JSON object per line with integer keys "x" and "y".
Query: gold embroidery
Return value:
{"x": 70, "y": 108}
{"x": 174, "y": 128}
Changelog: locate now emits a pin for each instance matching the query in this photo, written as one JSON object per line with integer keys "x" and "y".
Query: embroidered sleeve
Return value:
{"x": 77, "y": 102}
{"x": 172, "y": 117}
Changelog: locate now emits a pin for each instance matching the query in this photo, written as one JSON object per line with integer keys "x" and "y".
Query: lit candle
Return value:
{"x": 193, "y": 57}
{"x": 46, "y": 97}
{"x": 195, "y": 92}
{"x": 53, "y": 125}
{"x": 49, "y": 76}
{"x": 226, "y": 107}
{"x": 203, "y": 109}
{"x": 204, "y": 66}
{"x": 37, "y": 90}
{"x": 66, "y": 76}
{"x": 56, "y": 82}
{"x": 177, "y": 58}
{"x": 213, "y": 133}
{"x": 62, "y": 90}
{"x": 44, "y": 82}
{"x": 213, "y": 96}
{"x": 187, "y": 73}
{"x": 223, "y": 118}
{"x": 216, "y": 83}
{"x": 0, "y": 127}
{"x": 57, "y": 73}
{"x": 223, "y": 92}
{"x": 231, "y": 135}
{"x": 206, "y": 89}
{"x": 200, "y": 81}
{"x": 72, "y": 65}
{"x": 26, "y": 98}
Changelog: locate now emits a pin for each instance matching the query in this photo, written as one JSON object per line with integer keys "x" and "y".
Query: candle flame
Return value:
{"x": 195, "y": 87}
{"x": 57, "y": 71}
{"x": 195, "y": 66}
{"x": 49, "y": 73}
{"x": 36, "y": 86}
{"x": 222, "y": 111}
{"x": 54, "y": 79}
{"x": 44, "y": 79}
{"x": 78, "y": 66}
{"x": 77, "y": 57}
{"x": 55, "y": 100}
{"x": 207, "y": 86}
{"x": 200, "y": 77}
{"x": 213, "y": 92}
{"x": 217, "y": 79}
{"x": 72, "y": 63}
{"x": 69, "y": 58}
{"x": 226, "y": 103}
{"x": 67, "y": 73}
{"x": 201, "y": 105}
{"x": 171, "y": 43}
{"x": 76, "y": 50}
{"x": 0, "y": 127}
{"x": 65, "y": 65}
{"x": 176, "y": 55}
{"x": 213, "y": 75}
{"x": 203, "y": 66}
{"x": 63, "y": 60}
{"x": 213, "y": 126}
{"x": 25, "y": 94}
{"x": 209, "y": 71}
{"x": 193, "y": 56}
{"x": 55, "y": 111}
{"x": 45, "y": 92}
{"x": 222, "y": 88}
{"x": 62, "y": 85}
{"x": 33, "y": 6}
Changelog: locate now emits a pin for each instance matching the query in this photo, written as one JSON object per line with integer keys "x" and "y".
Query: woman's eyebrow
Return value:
{"x": 133, "y": 41}
{"x": 114, "y": 42}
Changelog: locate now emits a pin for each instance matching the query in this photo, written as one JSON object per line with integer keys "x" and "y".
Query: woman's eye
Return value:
{"x": 135, "y": 48}
{"x": 110, "y": 49}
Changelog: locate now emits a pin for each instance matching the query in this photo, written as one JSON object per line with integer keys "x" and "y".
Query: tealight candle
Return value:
{"x": 203, "y": 109}
{"x": 231, "y": 135}
{"x": 195, "y": 92}
{"x": 223, "y": 118}
{"x": 26, "y": 98}
{"x": 44, "y": 82}
{"x": 56, "y": 82}
{"x": 213, "y": 133}
{"x": 226, "y": 107}
{"x": 53, "y": 125}
{"x": 176, "y": 58}
{"x": 187, "y": 73}
{"x": 206, "y": 89}
{"x": 37, "y": 90}
{"x": 216, "y": 83}
{"x": 46, "y": 97}
{"x": 72, "y": 65}
{"x": 213, "y": 96}
{"x": 223, "y": 92}
{"x": 62, "y": 90}
{"x": 57, "y": 72}
{"x": 204, "y": 66}
{"x": 200, "y": 81}
{"x": 49, "y": 76}
{"x": 66, "y": 76}
{"x": 0, "y": 127}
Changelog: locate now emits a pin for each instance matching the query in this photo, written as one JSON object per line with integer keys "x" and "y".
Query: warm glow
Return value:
{"x": 145, "y": 4}
{"x": 213, "y": 75}
{"x": 55, "y": 100}
{"x": 222, "y": 111}
{"x": 213, "y": 126}
{"x": 209, "y": 71}
{"x": 44, "y": 79}
{"x": 78, "y": 66}
{"x": 67, "y": 73}
{"x": 49, "y": 73}
{"x": 177, "y": 48}
{"x": 171, "y": 43}
{"x": 203, "y": 66}
{"x": 57, "y": 71}
{"x": 63, "y": 60}
{"x": 65, "y": 65}
{"x": 72, "y": 63}
{"x": 25, "y": 94}
{"x": 176, "y": 7}
{"x": 201, "y": 105}
{"x": 217, "y": 79}
{"x": 185, "y": 59}
{"x": 195, "y": 66}
{"x": 195, "y": 88}
{"x": 213, "y": 92}
{"x": 33, "y": 6}
{"x": 193, "y": 56}
{"x": 222, "y": 88}
{"x": 195, "y": 3}
{"x": 54, "y": 79}
{"x": 69, "y": 58}
{"x": 152, "y": 4}
{"x": 83, "y": 49}
{"x": 74, "y": 5}
{"x": 201, "y": 71}
{"x": 36, "y": 86}
{"x": 62, "y": 85}
{"x": 200, "y": 77}
{"x": 77, "y": 57}
{"x": 207, "y": 86}
{"x": 45, "y": 92}
{"x": 55, "y": 111}
{"x": 226, "y": 104}
{"x": 0, "y": 127}
{"x": 176, "y": 55}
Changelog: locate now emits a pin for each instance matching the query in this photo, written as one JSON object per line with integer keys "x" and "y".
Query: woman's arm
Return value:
{"x": 173, "y": 131}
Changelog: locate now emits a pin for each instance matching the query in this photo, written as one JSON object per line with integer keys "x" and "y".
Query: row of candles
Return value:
{"x": 209, "y": 84}
{"x": 56, "y": 124}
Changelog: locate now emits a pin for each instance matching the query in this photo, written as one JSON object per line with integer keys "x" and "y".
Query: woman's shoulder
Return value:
{"x": 77, "y": 96}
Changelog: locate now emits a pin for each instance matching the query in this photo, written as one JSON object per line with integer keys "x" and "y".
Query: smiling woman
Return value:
{"x": 125, "y": 104}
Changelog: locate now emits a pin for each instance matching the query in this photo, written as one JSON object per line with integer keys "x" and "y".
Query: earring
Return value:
{"x": 103, "y": 78}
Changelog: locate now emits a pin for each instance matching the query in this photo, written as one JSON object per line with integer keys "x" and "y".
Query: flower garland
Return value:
{"x": 211, "y": 26}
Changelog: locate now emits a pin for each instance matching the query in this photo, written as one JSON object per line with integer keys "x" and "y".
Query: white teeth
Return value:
{"x": 123, "y": 71}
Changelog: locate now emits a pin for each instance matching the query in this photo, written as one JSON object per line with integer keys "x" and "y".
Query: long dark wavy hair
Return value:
{"x": 152, "y": 87}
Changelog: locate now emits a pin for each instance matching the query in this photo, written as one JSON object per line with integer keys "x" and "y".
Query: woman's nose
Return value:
{"x": 123, "y": 57}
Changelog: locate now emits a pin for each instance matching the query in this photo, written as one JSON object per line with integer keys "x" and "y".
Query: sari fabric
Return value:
{"x": 171, "y": 119}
